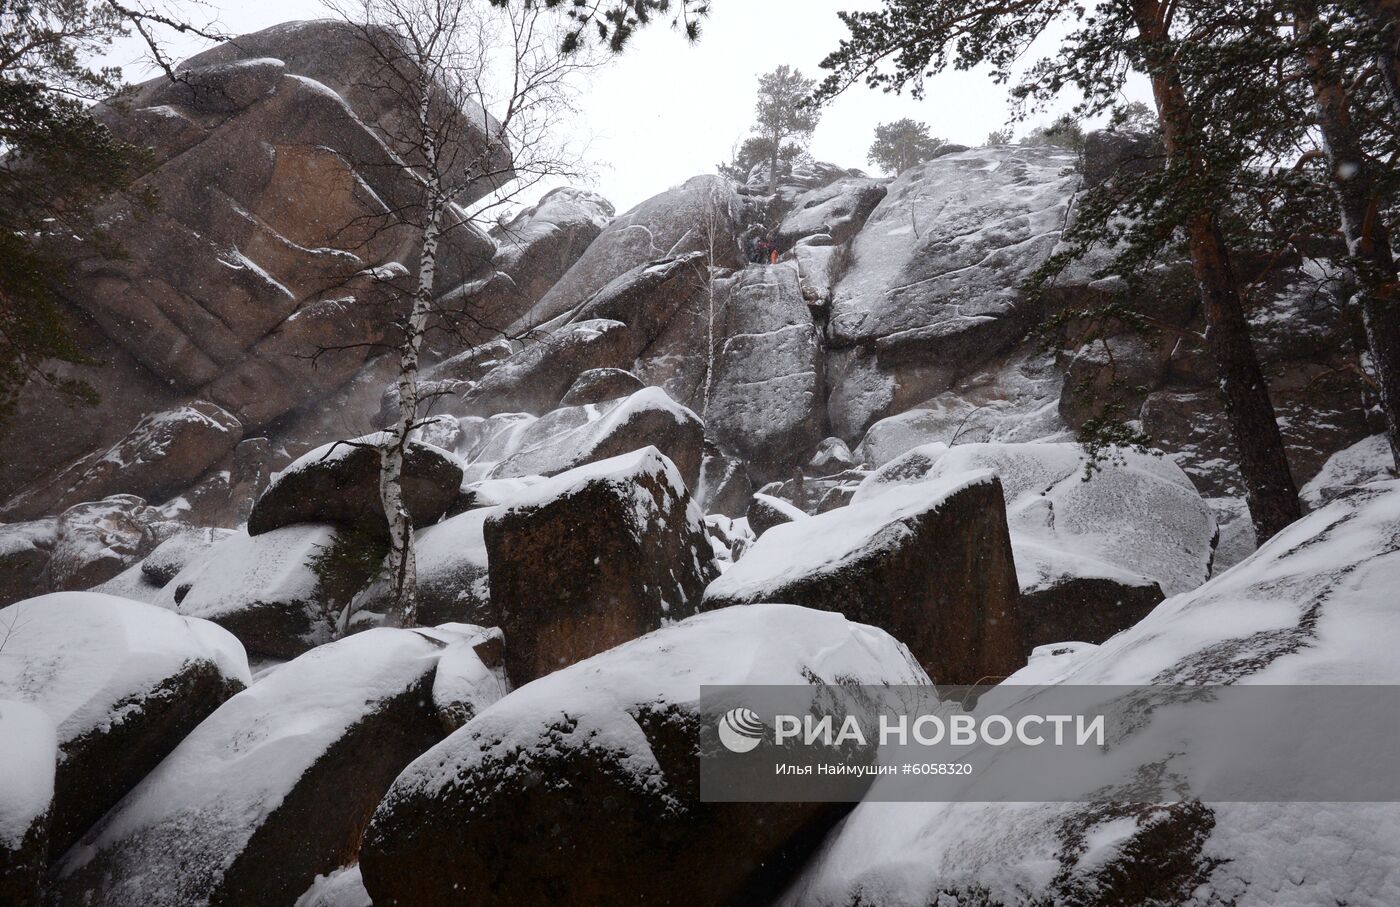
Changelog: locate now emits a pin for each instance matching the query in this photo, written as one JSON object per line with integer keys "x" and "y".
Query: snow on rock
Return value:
{"x": 24, "y": 552}
{"x": 1365, "y": 461}
{"x": 573, "y": 436}
{"x": 470, "y": 676}
{"x": 932, "y": 566}
{"x": 465, "y": 822}
{"x": 123, "y": 682}
{"x": 933, "y": 285}
{"x": 341, "y": 888}
{"x": 339, "y": 483}
{"x": 1315, "y": 605}
{"x": 28, "y": 754}
{"x": 1138, "y": 517}
{"x": 766, "y": 511}
{"x": 263, "y": 589}
{"x": 487, "y": 441}
{"x": 534, "y": 379}
{"x": 272, "y": 789}
{"x": 144, "y": 581}
{"x": 593, "y": 557}
{"x": 452, "y": 575}
{"x": 837, "y": 210}
{"x": 724, "y": 486}
{"x": 598, "y": 385}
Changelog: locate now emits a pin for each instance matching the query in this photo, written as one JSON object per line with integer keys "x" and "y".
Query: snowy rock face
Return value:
{"x": 932, "y": 566}
{"x": 592, "y": 558}
{"x": 1363, "y": 462}
{"x": 339, "y": 483}
{"x": 28, "y": 755}
{"x": 534, "y": 379}
{"x": 766, "y": 511}
{"x": 1315, "y": 605}
{"x": 674, "y": 223}
{"x": 271, "y": 790}
{"x": 599, "y": 385}
{"x": 837, "y": 210}
{"x": 467, "y": 821}
{"x": 933, "y": 283}
{"x": 145, "y": 581}
{"x": 121, "y": 681}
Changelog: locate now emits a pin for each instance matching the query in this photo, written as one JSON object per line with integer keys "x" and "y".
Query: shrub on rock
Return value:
{"x": 271, "y": 790}
{"x": 339, "y": 483}
{"x": 123, "y": 682}
{"x": 932, "y": 567}
{"x": 592, "y": 558}
{"x": 582, "y": 789}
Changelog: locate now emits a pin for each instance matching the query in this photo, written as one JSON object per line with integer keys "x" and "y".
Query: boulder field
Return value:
{"x": 654, "y": 466}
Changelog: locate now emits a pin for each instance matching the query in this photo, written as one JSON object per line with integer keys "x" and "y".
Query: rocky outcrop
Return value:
{"x": 464, "y": 823}
{"x": 534, "y": 379}
{"x": 766, "y": 511}
{"x": 933, "y": 567}
{"x": 932, "y": 289}
{"x": 671, "y": 224}
{"x": 272, "y": 789}
{"x": 123, "y": 683}
{"x": 593, "y": 558}
{"x": 339, "y": 483}
{"x": 600, "y": 385}
{"x": 837, "y": 210}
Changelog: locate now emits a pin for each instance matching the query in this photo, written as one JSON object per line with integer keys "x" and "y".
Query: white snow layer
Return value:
{"x": 28, "y": 756}
{"x": 342, "y": 888}
{"x": 1137, "y": 519}
{"x": 79, "y": 655}
{"x": 1368, "y": 460}
{"x": 199, "y": 807}
{"x": 1327, "y": 581}
{"x": 243, "y": 569}
{"x": 596, "y": 698}
{"x": 828, "y": 541}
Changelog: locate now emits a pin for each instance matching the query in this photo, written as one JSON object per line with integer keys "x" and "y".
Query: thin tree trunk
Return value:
{"x": 1368, "y": 241}
{"x": 402, "y": 560}
{"x": 773, "y": 166}
{"x": 1269, "y": 485}
{"x": 1386, "y": 14}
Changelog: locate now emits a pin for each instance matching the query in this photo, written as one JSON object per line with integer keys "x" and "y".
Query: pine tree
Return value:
{"x": 784, "y": 114}
{"x": 902, "y": 144}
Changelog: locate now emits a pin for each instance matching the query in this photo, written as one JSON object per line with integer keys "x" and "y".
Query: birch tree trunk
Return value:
{"x": 1368, "y": 241}
{"x": 1269, "y": 485}
{"x": 402, "y": 563}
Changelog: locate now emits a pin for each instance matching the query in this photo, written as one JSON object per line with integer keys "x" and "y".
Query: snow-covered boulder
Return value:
{"x": 933, "y": 285}
{"x": 599, "y": 385}
{"x": 534, "y": 379}
{"x": 471, "y": 675}
{"x": 931, "y": 566}
{"x": 766, "y": 511}
{"x": 1138, "y": 515}
{"x": 647, "y": 297}
{"x": 574, "y": 436}
{"x": 341, "y": 888}
{"x": 271, "y": 790}
{"x": 123, "y": 682}
{"x": 1315, "y": 605}
{"x": 592, "y": 558}
{"x": 24, "y": 552}
{"x": 1365, "y": 461}
{"x": 28, "y": 755}
{"x": 144, "y": 581}
{"x": 264, "y": 589}
{"x": 339, "y": 483}
{"x": 452, "y": 575}
{"x": 581, "y": 788}
{"x": 538, "y": 245}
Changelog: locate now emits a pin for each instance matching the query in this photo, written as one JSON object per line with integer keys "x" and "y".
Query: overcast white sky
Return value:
{"x": 667, "y": 110}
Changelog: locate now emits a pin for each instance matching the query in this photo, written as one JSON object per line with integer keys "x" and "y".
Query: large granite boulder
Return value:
{"x": 146, "y": 580}
{"x": 272, "y": 789}
{"x": 581, "y": 788}
{"x": 932, "y": 566}
{"x": 339, "y": 483}
{"x": 595, "y": 557}
{"x": 600, "y": 385}
{"x": 1313, "y": 607}
{"x": 27, "y": 761}
{"x": 165, "y": 452}
{"x": 932, "y": 288}
{"x": 123, "y": 683}
{"x": 673, "y": 223}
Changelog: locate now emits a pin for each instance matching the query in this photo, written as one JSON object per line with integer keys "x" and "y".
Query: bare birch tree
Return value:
{"x": 483, "y": 93}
